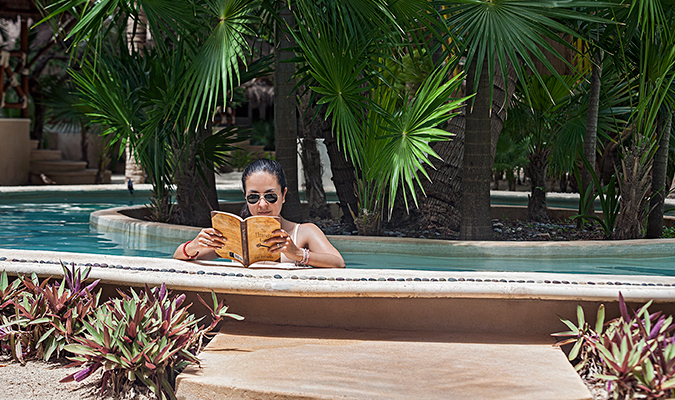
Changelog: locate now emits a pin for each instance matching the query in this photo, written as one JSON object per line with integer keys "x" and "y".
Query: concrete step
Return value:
{"x": 45, "y": 155}
{"x": 51, "y": 167}
{"x": 246, "y": 361}
{"x": 82, "y": 177}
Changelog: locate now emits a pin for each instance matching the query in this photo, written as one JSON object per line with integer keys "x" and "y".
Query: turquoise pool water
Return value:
{"x": 47, "y": 222}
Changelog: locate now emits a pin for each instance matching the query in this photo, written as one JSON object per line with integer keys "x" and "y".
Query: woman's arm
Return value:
{"x": 202, "y": 247}
{"x": 322, "y": 254}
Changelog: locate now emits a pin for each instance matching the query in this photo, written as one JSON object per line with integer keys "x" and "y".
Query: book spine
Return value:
{"x": 244, "y": 242}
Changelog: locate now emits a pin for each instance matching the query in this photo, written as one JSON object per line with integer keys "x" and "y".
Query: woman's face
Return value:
{"x": 262, "y": 183}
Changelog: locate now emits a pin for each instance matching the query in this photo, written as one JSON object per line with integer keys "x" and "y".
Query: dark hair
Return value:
{"x": 262, "y": 165}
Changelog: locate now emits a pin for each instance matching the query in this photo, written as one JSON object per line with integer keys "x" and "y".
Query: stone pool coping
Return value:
{"x": 114, "y": 221}
{"x": 223, "y": 277}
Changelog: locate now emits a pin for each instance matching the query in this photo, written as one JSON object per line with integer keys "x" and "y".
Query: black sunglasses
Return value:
{"x": 254, "y": 198}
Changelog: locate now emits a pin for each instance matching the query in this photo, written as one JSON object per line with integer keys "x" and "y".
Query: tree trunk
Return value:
{"x": 310, "y": 129}
{"x": 285, "y": 117}
{"x": 84, "y": 143}
{"x": 591, "y": 138}
{"x": 136, "y": 39}
{"x": 195, "y": 198}
{"x": 635, "y": 183}
{"x": 440, "y": 207}
{"x": 655, "y": 219}
{"x": 475, "y": 204}
{"x": 344, "y": 178}
{"x": 537, "y": 170}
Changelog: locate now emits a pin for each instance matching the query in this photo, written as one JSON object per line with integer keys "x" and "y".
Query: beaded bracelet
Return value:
{"x": 189, "y": 257}
{"x": 305, "y": 258}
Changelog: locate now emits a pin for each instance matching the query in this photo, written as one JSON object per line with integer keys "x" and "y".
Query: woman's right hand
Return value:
{"x": 202, "y": 247}
{"x": 209, "y": 238}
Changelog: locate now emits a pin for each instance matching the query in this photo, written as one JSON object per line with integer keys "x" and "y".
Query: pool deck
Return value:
{"x": 252, "y": 361}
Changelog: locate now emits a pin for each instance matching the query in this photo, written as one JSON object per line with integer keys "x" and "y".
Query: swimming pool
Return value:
{"x": 61, "y": 222}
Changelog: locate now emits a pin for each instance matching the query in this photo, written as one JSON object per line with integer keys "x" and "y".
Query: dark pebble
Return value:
{"x": 104, "y": 265}
{"x": 364, "y": 279}
{"x": 434, "y": 280}
{"x": 452, "y": 280}
{"x": 417, "y": 280}
{"x": 391, "y": 279}
{"x": 425, "y": 279}
{"x": 409, "y": 279}
{"x": 163, "y": 270}
{"x": 277, "y": 276}
{"x": 96, "y": 265}
{"x": 3, "y": 258}
{"x": 294, "y": 277}
{"x": 87, "y": 265}
{"x": 610, "y": 283}
{"x": 127, "y": 267}
{"x": 372, "y": 279}
{"x": 521, "y": 281}
{"x": 556, "y": 282}
{"x": 339, "y": 279}
{"x": 119, "y": 267}
{"x": 470, "y": 280}
{"x": 590, "y": 283}
{"x": 547, "y": 281}
{"x": 530, "y": 281}
{"x": 232, "y": 274}
{"x": 651, "y": 284}
{"x": 239, "y": 275}
{"x": 322, "y": 278}
{"x": 172, "y": 270}
{"x": 350, "y": 279}
{"x": 200, "y": 272}
{"x": 142, "y": 268}
{"x": 312, "y": 278}
{"x": 400, "y": 280}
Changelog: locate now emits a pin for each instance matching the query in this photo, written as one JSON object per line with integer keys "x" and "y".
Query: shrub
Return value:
{"x": 39, "y": 319}
{"x": 146, "y": 336}
{"x": 633, "y": 354}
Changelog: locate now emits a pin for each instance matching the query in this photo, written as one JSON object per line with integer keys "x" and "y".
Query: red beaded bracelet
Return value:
{"x": 189, "y": 257}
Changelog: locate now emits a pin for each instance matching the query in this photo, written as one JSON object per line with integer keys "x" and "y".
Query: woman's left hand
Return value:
{"x": 282, "y": 243}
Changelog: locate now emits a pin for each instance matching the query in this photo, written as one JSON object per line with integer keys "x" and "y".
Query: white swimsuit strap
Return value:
{"x": 294, "y": 234}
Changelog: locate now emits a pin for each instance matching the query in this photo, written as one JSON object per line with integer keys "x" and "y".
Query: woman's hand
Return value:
{"x": 281, "y": 242}
{"x": 202, "y": 247}
{"x": 208, "y": 238}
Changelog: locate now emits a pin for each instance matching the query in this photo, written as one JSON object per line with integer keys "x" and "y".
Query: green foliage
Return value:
{"x": 46, "y": 316}
{"x": 634, "y": 354}
{"x": 147, "y": 336}
{"x": 609, "y": 200}
{"x": 262, "y": 134}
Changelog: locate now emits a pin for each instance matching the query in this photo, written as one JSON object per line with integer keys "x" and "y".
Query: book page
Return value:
{"x": 230, "y": 226}
{"x": 260, "y": 228}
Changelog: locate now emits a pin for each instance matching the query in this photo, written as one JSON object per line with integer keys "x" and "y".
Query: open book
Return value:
{"x": 246, "y": 237}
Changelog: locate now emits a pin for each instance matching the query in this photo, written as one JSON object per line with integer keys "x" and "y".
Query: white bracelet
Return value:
{"x": 305, "y": 258}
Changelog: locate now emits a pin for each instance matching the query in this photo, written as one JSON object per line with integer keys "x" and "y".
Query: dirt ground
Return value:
{"x": 40, "y": 380}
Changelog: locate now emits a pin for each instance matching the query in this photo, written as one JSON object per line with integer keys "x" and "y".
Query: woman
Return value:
{"x": 265, "y": 189}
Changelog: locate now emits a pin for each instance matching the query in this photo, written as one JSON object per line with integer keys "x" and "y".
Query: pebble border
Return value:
{"x": 339, "y": 279}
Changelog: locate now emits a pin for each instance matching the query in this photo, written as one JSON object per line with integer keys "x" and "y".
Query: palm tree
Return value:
{"x": 494, "y": 35}
{"x": 647, "y": 55}
{"x": 348, "y": 54}
{"x": 205, "y": 44}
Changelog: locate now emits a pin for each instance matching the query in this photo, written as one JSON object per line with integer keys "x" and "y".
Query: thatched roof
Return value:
{"x": 9, "y": 9}
{"x": 259, "y": 91}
